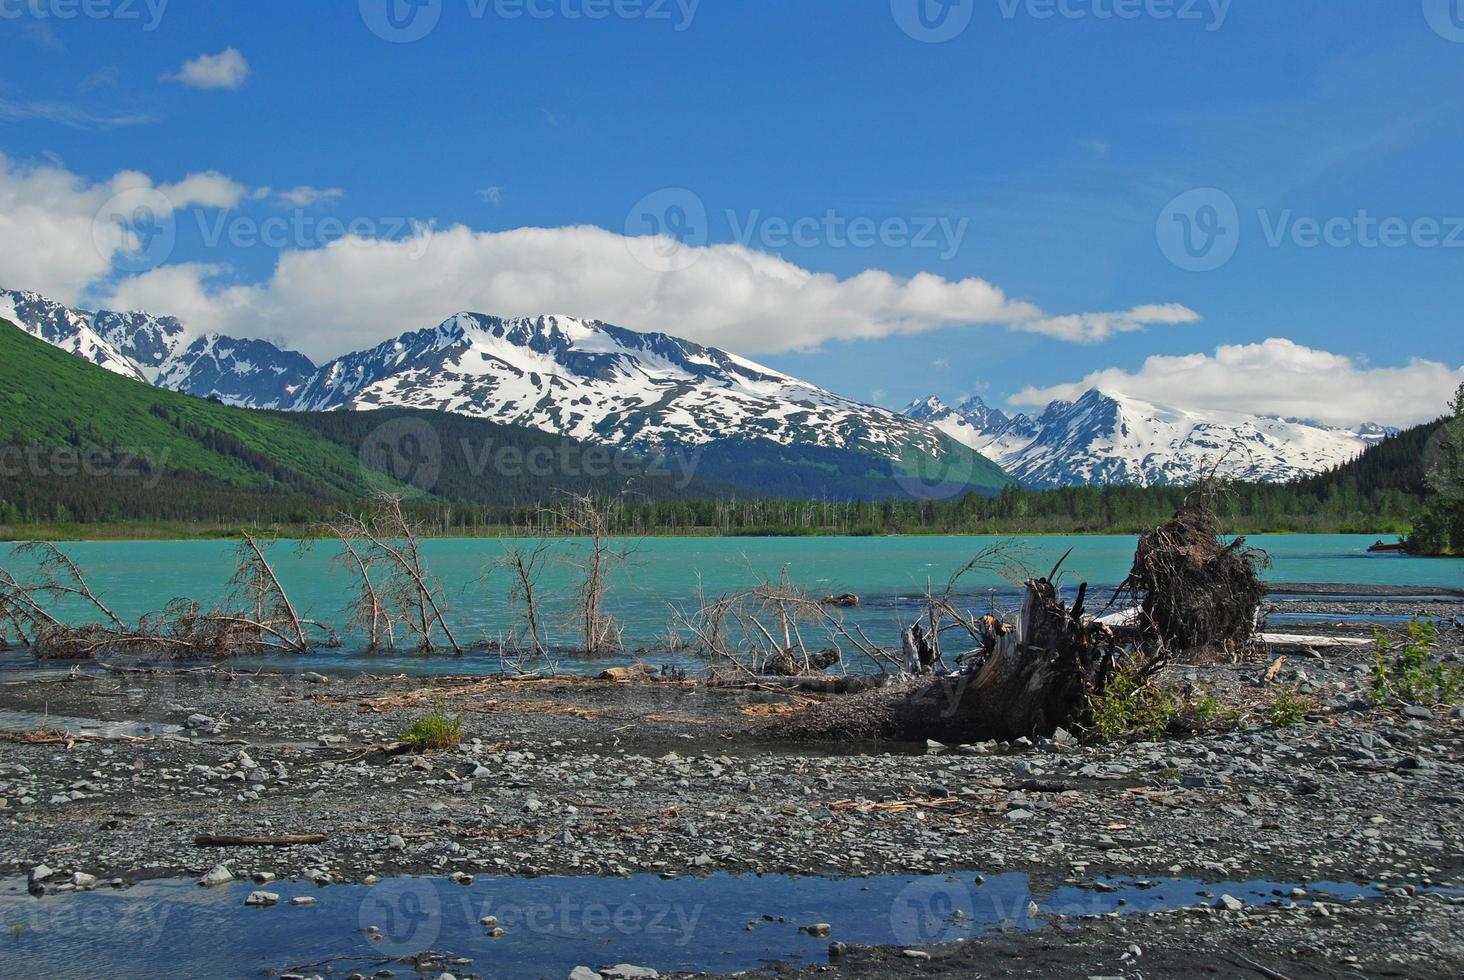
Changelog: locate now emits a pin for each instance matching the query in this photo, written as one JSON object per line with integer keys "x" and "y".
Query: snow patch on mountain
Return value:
{"x": 1106, "y": 437}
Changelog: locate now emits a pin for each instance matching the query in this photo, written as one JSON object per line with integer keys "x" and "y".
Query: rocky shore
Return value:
{"x": 598, "y": 778}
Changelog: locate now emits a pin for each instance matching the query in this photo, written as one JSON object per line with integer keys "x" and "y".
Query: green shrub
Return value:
{"x": 1289, "y": 709}
{"x": 1129, "y": 707}
{"x": 1409, "y": 676}
{"x": 435, "y": 731}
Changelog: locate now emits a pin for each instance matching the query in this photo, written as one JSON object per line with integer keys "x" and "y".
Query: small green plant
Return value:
{"x": 1409, "y": 677}
{"x": 436, "y": 731}
{"x": 1130, "y": 707}
{"x": 1288, "y": 710}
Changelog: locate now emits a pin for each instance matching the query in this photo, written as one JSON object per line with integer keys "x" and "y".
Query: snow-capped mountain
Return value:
{"x": 606, "y": 384}
{"x": 971, "y": 421}
{"x": 592, "y": 381}
{"x": 159, "y": 350}
{"x": 1105, "y": 437}
{"x": 250, "y": 373}
{"x": 67, "y": 329}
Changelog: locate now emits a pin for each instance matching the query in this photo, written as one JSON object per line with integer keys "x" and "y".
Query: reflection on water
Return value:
{"x": 720, "y": 923}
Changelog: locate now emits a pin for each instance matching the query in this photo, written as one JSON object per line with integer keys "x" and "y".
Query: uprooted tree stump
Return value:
{"x": 1036, "y": 678}
{"x": 1190, "y": 590}
{"x": 1194, "y": 593}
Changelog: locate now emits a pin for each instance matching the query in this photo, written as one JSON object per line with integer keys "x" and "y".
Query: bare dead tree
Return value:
{"x": 267, "y": 619}
{"x": 589, "y": 517}
{"x": 367, "y": 610}
{"x": 270, "y": 610}
{"x": 408, "y": 595}
{"x": 759, "y": 632}
{"x": 524, "y": 564}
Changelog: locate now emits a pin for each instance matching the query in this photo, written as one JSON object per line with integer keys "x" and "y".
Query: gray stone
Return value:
{"x": 584, "y": 973}
{"x": 220, "y": 875}
{"x": 40, "y": 873}
{"x": 624, "y": 971}
{"x": 199, "y": 721}
{"x": 261, "y": 900}
{"x": 1230, "y": 903}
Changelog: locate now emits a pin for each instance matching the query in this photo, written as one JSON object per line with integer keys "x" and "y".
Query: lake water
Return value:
{"x": 888, "y": 574}
{"x": 179, "y": 929}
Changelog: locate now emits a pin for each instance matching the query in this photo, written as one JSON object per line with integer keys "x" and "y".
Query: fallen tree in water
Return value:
{"x": 1191, "y": 592}
{"x": 258, "y": 617}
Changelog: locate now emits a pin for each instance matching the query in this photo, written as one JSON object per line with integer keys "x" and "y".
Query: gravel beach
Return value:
{"x": 599, "y": 778}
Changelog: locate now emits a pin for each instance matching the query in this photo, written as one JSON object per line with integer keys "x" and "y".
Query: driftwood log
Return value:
{"x": 244, "y": 840}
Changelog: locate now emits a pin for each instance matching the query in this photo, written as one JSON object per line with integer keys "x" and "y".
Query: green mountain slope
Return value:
{"x": 61, "y": 406}
{"x": 81, "y": 444}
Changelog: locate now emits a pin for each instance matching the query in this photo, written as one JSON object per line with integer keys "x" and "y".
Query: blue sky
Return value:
{"x": 1020, "y": 177}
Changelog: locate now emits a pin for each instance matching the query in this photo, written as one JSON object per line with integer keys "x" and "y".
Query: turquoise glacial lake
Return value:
{"x": 661, "y": 574}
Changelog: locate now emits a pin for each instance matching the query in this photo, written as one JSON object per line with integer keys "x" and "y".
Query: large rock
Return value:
{"x": 220, "y": 875}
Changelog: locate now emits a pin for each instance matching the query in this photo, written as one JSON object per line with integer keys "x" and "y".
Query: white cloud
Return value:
{"x": 357, "y": 292}
{"x": 305, "y": 196}
{"x": 1277, "y": 377}
{"x": 61, "y": 235}
{"x": 55, "y": 235}
{"x": 226, "y": 70}
{"x": 1090, "y": 328}
{"x": 66, "y": 114}
{"x": 492, "y": 195}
